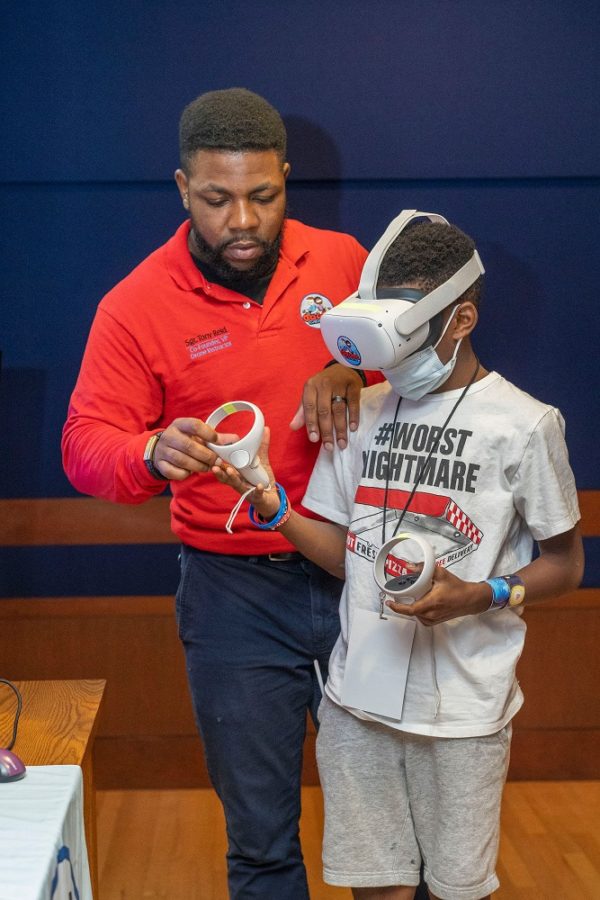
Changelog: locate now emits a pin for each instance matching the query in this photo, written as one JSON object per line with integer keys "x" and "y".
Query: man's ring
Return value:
{"x": 338, "y": 399}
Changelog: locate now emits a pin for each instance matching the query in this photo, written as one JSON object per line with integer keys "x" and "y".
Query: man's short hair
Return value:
{"x": 234, "y": 120}
{"x": 428, "y": 253}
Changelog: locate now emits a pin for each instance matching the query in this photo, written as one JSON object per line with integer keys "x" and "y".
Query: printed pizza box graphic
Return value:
{"x": 435, "y": 517}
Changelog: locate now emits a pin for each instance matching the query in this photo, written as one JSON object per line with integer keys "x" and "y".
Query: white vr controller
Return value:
{"x": 242, "y": 454}
{"x": 406, "y": 588}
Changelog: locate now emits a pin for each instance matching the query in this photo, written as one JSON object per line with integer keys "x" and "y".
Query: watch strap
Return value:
{"x": 359, "y": 372}
{"x": 149, "y": 457}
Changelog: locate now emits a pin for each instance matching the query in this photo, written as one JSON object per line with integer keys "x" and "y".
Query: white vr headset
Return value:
{"x": 370, "y": 332}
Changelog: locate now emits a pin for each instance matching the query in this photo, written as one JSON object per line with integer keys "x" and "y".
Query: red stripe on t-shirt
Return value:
{"x": 427, "y": 504}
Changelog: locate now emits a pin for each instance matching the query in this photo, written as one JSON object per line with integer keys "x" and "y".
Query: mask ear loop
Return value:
{"x": 446, "y": 327}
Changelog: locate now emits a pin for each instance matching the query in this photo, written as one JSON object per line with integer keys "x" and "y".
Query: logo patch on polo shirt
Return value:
{"x": 312, "y": 307}
{"x": 208, "y": 342}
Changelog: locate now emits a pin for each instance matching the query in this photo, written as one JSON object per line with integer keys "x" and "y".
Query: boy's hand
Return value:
{"x": 449, "y": 598}
{"x": 266, "y": 502}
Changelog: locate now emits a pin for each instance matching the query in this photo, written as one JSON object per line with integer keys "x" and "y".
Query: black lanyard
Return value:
{"x": 423, "y": 468}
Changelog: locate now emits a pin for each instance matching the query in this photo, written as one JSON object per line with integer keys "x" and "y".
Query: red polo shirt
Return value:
{"x": 165, "y": 343}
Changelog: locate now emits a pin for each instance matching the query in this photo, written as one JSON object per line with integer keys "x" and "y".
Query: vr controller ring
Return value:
{"x": 424, "y": 580}
{"x": 242, "y": 454}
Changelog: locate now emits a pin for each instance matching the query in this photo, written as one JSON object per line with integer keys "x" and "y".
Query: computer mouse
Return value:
{"x": 11, "y": 767}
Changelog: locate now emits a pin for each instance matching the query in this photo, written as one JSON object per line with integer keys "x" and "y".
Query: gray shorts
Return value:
{"x": 394, "y": 798}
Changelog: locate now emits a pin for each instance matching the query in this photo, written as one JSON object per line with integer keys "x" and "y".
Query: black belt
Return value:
{"x": 284, "y": 557}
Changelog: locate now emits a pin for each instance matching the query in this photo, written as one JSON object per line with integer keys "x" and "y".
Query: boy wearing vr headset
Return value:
{"x": 415, "y": 732}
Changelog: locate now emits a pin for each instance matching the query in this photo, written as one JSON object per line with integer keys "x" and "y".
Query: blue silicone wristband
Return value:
{"x": 272, "y": 523}
{"x": 500, "y": 592}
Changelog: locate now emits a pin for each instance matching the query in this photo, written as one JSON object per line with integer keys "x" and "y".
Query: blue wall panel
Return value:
{"x": 441, "y": 88}
{"x": 485, "y": 112}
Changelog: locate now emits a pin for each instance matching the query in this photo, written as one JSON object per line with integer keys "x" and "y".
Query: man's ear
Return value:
{"x": 286, "y": 170}
{"x": 466, "y": 320}
{"x": 182, "y": 184}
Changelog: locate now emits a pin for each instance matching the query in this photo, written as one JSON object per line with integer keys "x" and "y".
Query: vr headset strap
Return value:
{"x": 433, "y": 303}
{"x": 370, "y": 272}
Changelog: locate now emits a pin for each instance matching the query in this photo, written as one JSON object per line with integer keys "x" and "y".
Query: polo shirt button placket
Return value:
{"x": 246, "y": 304}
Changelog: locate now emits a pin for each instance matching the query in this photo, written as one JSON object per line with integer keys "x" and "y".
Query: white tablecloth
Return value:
{"x": 43, "y": 854}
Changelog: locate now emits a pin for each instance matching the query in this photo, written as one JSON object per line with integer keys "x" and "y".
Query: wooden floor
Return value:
{"x": 170, "y": 845}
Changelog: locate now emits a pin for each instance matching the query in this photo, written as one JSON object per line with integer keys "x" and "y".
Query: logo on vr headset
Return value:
{"x": 349, "y": 351}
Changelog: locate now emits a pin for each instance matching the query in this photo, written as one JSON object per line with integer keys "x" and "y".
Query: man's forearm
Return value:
{"x": 106, "y": 462}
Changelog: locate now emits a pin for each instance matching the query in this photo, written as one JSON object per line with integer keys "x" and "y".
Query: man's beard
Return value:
{"x": 213, "y": 257}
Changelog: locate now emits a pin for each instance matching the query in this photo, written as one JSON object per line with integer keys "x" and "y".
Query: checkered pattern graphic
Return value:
{"x": 459, "y": 520}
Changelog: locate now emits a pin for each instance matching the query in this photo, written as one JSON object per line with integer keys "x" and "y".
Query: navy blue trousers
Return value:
{"x": 251, "y": 629}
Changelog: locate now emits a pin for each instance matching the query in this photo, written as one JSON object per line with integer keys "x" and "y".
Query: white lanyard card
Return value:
{"x": 377, "y": 663}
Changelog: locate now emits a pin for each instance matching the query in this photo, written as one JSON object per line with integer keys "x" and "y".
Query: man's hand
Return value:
{"x": 449, "y": 598}
{"x": 181, "y": 450}
{"x": 330, "y": 401}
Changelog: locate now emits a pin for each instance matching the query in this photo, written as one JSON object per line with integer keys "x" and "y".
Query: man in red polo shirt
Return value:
{"x": 228, "y": 309}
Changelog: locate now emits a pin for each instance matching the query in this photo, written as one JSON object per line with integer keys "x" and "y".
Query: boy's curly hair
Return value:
{"x": 427, "y": 254}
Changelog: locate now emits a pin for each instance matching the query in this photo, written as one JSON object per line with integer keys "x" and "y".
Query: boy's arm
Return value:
{"x": 557, "y": 570}
{"x": 324, "y": 543}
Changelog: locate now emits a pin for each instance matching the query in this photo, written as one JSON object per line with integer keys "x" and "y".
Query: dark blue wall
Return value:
{"x": 485, "y": 112}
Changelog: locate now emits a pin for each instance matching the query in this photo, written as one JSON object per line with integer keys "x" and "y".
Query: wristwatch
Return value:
{"x": 507, "y": 590}
{"x": 149, "y": 457}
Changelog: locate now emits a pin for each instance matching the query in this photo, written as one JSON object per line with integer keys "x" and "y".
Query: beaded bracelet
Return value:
{"x": 280, "y": 517}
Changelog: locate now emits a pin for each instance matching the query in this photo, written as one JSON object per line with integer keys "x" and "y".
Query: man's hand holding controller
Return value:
{"x": 181, "y": 449}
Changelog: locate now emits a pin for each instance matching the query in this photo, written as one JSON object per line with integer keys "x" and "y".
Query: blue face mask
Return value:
{"x": 422, "y": 372}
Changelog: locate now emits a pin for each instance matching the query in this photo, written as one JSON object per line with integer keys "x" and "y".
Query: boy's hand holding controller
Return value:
{"x": 324, "y": 543}
{"x": 449, "y": 598}
{"x": 265, "y": 502}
